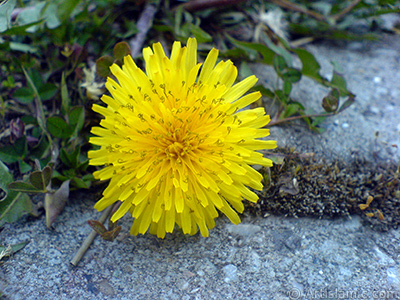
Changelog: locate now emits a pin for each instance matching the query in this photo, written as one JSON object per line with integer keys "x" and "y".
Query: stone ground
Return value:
{"x": 267, "y": 257}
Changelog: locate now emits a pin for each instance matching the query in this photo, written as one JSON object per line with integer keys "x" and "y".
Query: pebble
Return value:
{"x": 345, "y": 125}
{"x": 243, "y": 229}
{"x": 230, "y": 273}
{"x": 377, "y": 79}
{"x": 393, "y": 276}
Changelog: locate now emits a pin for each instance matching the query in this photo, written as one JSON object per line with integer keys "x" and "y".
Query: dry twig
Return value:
{"x": 143, "y": 24}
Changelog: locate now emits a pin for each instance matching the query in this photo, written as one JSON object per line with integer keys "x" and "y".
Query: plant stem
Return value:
{"x": 197, "y": 5}
{"x": 143, "y": 25}
{"x": 340, "y": 15}
{"x": 89, "y": 240}
{"x": 292, "y": 6}
{"x": 277, "y": 122}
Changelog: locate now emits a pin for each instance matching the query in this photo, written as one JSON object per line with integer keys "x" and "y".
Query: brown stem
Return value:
{"x": 273, "y": 123}
{"x": 196, "y": 5}
{"x": 292, "y": 6}
{"x": 89, "y": 240}
{"x": 340, "y": 15}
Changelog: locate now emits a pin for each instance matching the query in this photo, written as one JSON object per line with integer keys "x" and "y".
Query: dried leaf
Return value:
{"x": 380, "y": 215}
{"x": 97, "y": 226}
{"x": 55, "y": 203}
{"x": 10, "y": 250}
{"x": 111, "y": 235}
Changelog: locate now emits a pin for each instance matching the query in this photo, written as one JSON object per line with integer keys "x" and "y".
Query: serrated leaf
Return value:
{"x": 103, "y": 65}
{"x": 121, "y": 50}
{"x": 54, "y": 203}
{"x": 97, "y": 226}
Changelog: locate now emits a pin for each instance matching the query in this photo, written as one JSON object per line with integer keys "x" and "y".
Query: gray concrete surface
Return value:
{"x": 262, "y": 258}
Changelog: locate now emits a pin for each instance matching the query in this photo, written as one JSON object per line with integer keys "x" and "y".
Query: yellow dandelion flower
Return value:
{"x": 175, "y": 143}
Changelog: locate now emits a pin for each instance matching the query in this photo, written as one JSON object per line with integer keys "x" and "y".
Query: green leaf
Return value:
{"x": 47, "y": 173}
{"x": 47, "y": 91}
{"x": 264, "y": 91}
{"x": 267, "y": 54}
{"x": 65, "y": 99}
{"x": 121, "y": 50}
{"x": 25, "y": 48}
{"x": 79, "y": 183}
{"x": 103, "y": 65}
{"x": 339, "y": 82}
{"x": 77, "y": 117}
{"x": 24, "y": 187}
{"x": 21, "y": 147}
{"x": 281, "y": 96}
{"x": 5, "y": 14}
{"x": 65, "y": 9}
{"x": 24, "y": 95}
{"x": 41, "y": 150}
{"x": 279, "y": 64}
{"x": 71, "y": 160}
{"x": 347, "y": 103}
{"x": 14, "y": 248}
{"x": 330, "y": 102}
{"x": 37, "y": 180}
{"x": 290, "y": 110}
{"x": 279, "y": 50}
{"x": 23, "y": 166}
{"x": 15, "y": 204}
{"x": 310, "y": 66}
{"x": 58, "y": 127}
{"x": 8, "y": 155}
{"x": 287, "y": 88}
{"x": 5, "y": 179}
{"x": 199, "y": 34}
{"x": 291, "y": 75}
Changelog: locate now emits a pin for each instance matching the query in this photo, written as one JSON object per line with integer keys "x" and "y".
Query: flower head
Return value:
{"x": 175, "y": 142}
